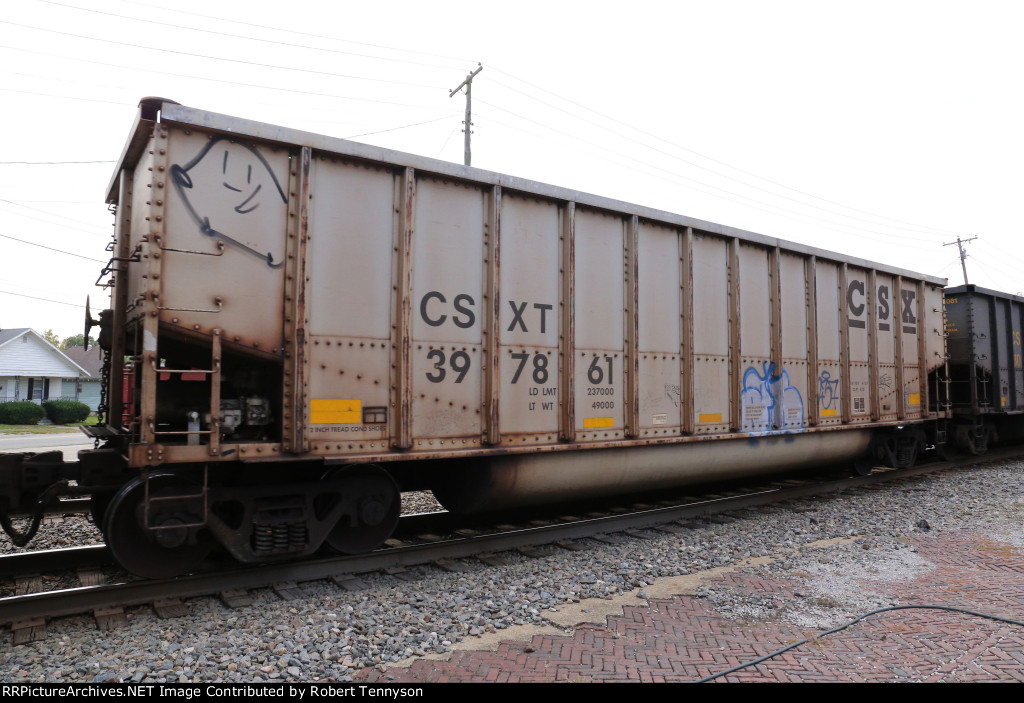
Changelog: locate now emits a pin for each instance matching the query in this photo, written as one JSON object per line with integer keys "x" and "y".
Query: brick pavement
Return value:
{"x": 682, "y": 637}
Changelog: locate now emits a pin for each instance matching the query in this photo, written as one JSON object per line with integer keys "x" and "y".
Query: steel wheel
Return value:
{"x": 152, "y": 553}
{"x": 373, "y": 507}
{"x": 864, "y": 465}
{"x": 98, "y": 504}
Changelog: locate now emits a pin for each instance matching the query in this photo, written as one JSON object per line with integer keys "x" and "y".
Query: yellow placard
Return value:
{"x": 323, "y": 411}
{"x": 709, "y": 417}
{"x": 828, "y": 412}
{"x": 913, "y": 398}
{"x": 595, "y": 422}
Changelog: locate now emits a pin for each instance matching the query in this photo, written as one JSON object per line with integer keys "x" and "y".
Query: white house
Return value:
{"x": 33, "y": 369}
{"x": 88, "y": 388}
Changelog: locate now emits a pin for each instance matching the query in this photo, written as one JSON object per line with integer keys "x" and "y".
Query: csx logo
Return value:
{"x": 435, "y": 310}
{"x": 856, "y": 303}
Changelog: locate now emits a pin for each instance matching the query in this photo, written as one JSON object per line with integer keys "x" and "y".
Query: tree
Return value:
{"x": 52, "y": 338}
{"x": 77, "y": 340}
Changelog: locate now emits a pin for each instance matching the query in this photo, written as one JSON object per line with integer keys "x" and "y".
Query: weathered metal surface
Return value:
{"x": 985, "y": 329}
{"x": 491, "y": 483}
{"x": 401, "y": 307}
{"x": 658, "y": 368}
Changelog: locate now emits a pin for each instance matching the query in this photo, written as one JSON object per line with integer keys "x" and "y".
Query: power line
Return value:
{"x": 393, "y": 129}
{"x": 301, "y": 34}
{"x": 59, "y": 251}
{"x": 913, "y": 226}
{"x": 52, "y": 163}
{"x": 242, "y": 36}
{"x": 200, "y": 78}
{"x": 719, "y": 173}
{"x": 48, "y": 300}
{"x": 257, "y": 64}
{"x": 712, "y": 187}
{"x": 49, "y": 214}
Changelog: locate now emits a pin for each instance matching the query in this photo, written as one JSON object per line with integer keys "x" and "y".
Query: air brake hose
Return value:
{"x": 20, "y": 539}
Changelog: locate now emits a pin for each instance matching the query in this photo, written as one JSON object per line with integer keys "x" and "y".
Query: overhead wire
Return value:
{"x": 148, "y": 69}
{"x": 59, "y": 251}
{"x": 680, "y": 177}
{"x": 256, "y": 64}
{"x": 35, "y": 297}
{"x": 50, "y": 214}
{"x": 915, "y": 226}
{"x": 567, "y": 112}
{"x": 737, "y": 180}
{"x": 296, "y": 32}
{"x": 239, "y": 36}
{"x": 606, "y": 117}
{"x": 592, "y": 122}
{"x": 393, "y": 129}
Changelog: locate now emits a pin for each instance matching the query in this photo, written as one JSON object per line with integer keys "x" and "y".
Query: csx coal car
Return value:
{"x": 301, "y": 327}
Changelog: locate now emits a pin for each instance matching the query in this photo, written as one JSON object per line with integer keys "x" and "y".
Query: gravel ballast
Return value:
{"x": 330, "y": 634}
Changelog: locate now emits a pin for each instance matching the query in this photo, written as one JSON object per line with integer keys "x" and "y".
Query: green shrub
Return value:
{"x": 61, "y": 412}
{"x": 20, "y": 412}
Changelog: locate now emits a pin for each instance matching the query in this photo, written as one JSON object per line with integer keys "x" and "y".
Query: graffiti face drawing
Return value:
{"x": 222, "y": 186}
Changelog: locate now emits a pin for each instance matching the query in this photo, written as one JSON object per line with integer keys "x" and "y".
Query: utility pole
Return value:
{"x": 963, "y": 255}
{"x": 469, "y": 110}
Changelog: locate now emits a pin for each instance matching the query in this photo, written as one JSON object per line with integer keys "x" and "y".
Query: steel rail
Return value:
{"x": 129, "y": 593}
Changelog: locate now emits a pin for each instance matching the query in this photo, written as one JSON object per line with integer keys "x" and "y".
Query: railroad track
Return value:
{"x": 439, "y": 539}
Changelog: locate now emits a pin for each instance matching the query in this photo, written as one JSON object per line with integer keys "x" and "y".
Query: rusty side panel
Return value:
{"x": 151, "y": 291}
{"x": 599, "y": 317}
{"x": 735, "y": 361}
{"x": 492, "y": 321}
{"x": 349, "y": 338}
{"x": 711, "y": 343}
{"x": 858, "y": 388}
{"x": 296, "y": 308}
{"x": 225, "y": 239}
{"x": 873, "y": 332}
{"x": 757, "y": 402}
{"x": 401, "y": 408}
{"x": 631, "y": 320}
{"x": 829, "y": 373}
{"x": 447, "y": 293}
{"x": 659, "y": 330}
{"x": 795, "y": 346}
{"x": 529, "y": 320}
{"x": 684, "y": 400}
{"x": 911, "y": 313}
{"x": 567, "y": 318}
{"x": 885, "y": 329}
{"x": 811, "y": 317}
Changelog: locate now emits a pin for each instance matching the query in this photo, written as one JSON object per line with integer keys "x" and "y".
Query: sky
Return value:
{"x": 880, "y": 130}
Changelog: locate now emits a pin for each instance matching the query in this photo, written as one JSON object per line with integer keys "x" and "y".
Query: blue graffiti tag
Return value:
{"x": 828, "y": 390}
{"x": 769, "y": 400}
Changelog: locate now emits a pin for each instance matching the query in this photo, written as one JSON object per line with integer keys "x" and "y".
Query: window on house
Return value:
{"x": 37, "y": 388}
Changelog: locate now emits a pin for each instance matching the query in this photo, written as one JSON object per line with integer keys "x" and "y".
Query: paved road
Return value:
{"x": 68, "y": 443}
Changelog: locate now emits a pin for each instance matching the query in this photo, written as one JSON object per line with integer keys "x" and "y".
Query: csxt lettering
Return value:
{"x": 435, "y": 309}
